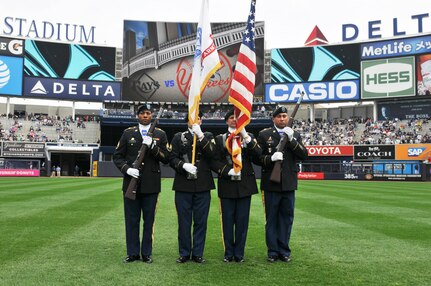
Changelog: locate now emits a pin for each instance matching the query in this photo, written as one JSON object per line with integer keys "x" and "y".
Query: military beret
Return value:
{"x": 228, "y": 114}
{"x": 278, "y": 110}
{"x": 186, "y": 119}
{"x": 144, "y": 107}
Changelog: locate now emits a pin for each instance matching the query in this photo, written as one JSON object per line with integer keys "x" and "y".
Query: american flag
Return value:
{"x": 242, "y": 88}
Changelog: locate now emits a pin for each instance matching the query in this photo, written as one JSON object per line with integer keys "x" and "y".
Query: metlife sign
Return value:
{"x": 396, "y": 48}
{"x": 388, "y": 78}
{"x": 347, "y": 90}
{"x": 71, "y": 89}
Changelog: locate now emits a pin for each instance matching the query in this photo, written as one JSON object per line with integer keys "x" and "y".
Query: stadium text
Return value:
{"x": 28, "y": 28}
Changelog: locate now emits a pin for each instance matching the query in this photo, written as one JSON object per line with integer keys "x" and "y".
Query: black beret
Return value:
{"x": 278, "y": 110}
{"x": 228, "y": 114}
{"x": 144, "y": 107}
{"x": 186, "y": 119}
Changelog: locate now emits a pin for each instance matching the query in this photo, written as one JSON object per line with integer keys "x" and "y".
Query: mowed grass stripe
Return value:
{"x": 27, "y": 234}
{"x": 57, "y": 188}
{"x": 68, "y": 193}
{"x": 361, "y": 256}
{"x": 389, "y": 224}
{"x": 399, "y": 188}
{"x": 415, "y": 206}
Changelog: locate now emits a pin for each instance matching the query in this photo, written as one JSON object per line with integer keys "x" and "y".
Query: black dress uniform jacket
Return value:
{"x": 127, "y": 151}
{"x": 268, "y": 140}
{"x": 222, "y": 163}
{"x": 181, "y": 153}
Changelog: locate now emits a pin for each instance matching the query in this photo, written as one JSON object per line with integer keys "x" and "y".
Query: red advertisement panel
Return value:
{"x": 335, "y": 150}
{"x": 311, "y": 175}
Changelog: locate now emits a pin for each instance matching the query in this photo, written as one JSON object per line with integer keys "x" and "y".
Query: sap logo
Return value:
{"x": 169, "y": 83}
{"x": 388, "y": 77}
{"x": 414, "y": 152}
{"x": 319, "y": 91}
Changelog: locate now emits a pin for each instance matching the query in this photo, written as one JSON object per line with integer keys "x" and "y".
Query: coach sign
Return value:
{"x": 23, "y": 149}
{"x": 373, "y": 152}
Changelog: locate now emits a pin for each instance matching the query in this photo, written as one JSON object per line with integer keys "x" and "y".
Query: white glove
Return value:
{"x": 245, "y": 136}
{"x": 232, "y": 172}
{"x": 196, "y": 128}
{"x": 147, "y": 140}
{"x": 133, "y": 172}
{"x": 277, "y": 156}
{"x": 190, "y": 168}
{"x": 289, "y": 132}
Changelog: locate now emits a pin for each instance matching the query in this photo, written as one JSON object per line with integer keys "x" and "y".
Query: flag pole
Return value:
{"x": 206, "y": 62}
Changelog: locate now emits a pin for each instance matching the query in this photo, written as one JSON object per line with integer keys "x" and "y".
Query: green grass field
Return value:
{"x": 70, "y": 231}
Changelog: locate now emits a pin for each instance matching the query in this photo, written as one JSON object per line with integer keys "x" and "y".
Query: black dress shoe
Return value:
{"x": 147, "y": 259}
{"x": 272, "y": 258}
{"x": 183, "y": 259}
{"x": 198, "y": 259}
{"x": 131, "y": 258}
{"x": 239, "y": 259}
{"x": 228, "y": 259}
{"x": 285, "y": 258}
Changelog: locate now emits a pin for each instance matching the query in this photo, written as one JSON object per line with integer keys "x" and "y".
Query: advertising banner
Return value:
{"x": 404, "y": 110}
{"x": 373, "y": 152}
{"x": 389, "y": 78}
{"x": 69, "y": 61}
{"x": 395, "y": 48}
{"x": 323, "y": 74}
{"x": 394, "y": 177}
{"x": 11, "y": 75}
{"x": 417, "y": 152}
{"x": 11, "y": 47}
{"x": 23, "y": 149}
{"x": 311, "y": 175}
{"x": 423, "y": 74}
{"x": 313, "y": 91}
{"x": 335, "y": 150}
{"x": 71, "y": 89}
{"x": 19, "y": 173}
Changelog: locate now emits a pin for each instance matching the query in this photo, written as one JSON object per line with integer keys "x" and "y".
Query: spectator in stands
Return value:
{"x": 149, "y": 185}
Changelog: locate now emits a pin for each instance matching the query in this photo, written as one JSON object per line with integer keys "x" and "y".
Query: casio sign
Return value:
{"x": 415, "y": 152}
{"x": 317, "y": 91}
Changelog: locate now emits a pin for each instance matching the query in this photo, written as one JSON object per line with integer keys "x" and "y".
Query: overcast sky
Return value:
{"x": 288, "y": 23}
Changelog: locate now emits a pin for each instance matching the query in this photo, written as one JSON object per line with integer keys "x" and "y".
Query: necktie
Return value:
{"x": 144, "y": 132}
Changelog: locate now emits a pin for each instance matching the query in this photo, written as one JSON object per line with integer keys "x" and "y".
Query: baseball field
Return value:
{"x": 70, "y": 231}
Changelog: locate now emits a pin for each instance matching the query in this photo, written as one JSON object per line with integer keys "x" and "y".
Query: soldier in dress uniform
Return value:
{"x": 192, "y": 185}
{"x": 279, "y": 198}
{"x": 235, "y": 190}
{"x": 149, "y": 185}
